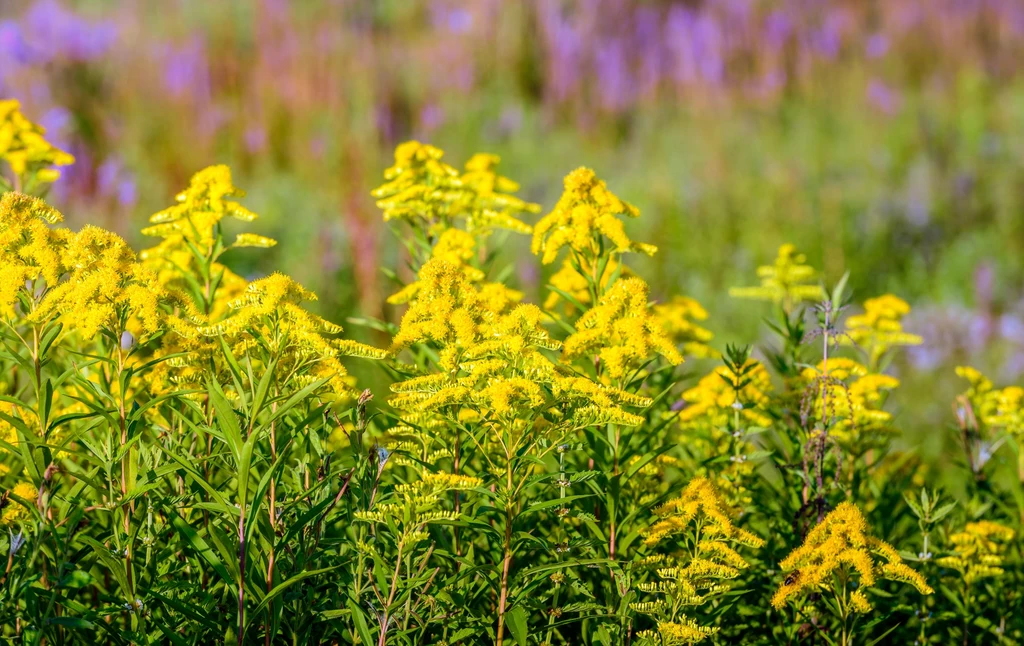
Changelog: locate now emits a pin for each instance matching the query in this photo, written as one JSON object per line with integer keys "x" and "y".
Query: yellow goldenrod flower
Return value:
{"x": 621, "y": 331}
{"x": 995, "y": 407}
{"x": 426, "y": 192}
{"x": 24, "y": 148}
{"x": 677, "y": 318}
{"x": 879, "y": 328}
{"x": 29, "y": 248}
{"x": 842, "y": 540}
{"x": 691, "y": 576}
{"x": 978, "y": 550}
{"x": 493, "y": 205}
{"x": 585, "y": 218}
{"x": 104, "y": 288}
{"x": 700, "y": 503}
{"x": 788, "y": 281}
{"x": 200, "y": 208}
{"x": 712, "y": 401}
{"x": 13, "y": 511}
{"x": 673, "y": 633}
{"x": 455, "y": 247}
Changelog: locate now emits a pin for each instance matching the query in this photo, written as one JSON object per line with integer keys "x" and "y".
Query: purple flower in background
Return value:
{"x": 14, "y": 50}
{"x": 876, "y": 46}
{"x": 56, "y": 121}
{"x": 614, "y": 80}
{"x": 564, "y": 45}
{"x": 54, "y": 32}
{"x": 113, "y": 179}
{"x": 431, "y": 117}
{"x": 647, "y": 36}
{"x": 828, "y": 39}
{"x": 778, "y": 28}
{"x": 696, "y": 44}
{"x": 883, "y": 97}
{"x": 255, "y": 138}
{"x": 186, "y": 69}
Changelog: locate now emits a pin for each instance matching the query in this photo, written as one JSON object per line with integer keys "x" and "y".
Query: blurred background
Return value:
{"x": 885, "y": 137}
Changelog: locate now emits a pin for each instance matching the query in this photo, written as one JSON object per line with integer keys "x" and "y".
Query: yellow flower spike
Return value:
{"x": 622, "y": 331}
{"x": 978, "y": 550}
{"x": 711, "y": 400}
{"x": 678, "y": 318}
{"x": 879, "y": 328}
{"x": 426, "y": 192}
{"x": 13, "y": 511}
{"x": 253, "y": 240}
{"x": 200, "y": 208}
{"x": 29, "y": 247}
{"x": 104, "y": 288}
{"x": 586, "y": 213}
{"x": 692, "y": 576}
{"x": 842, "y": 539}
{"x": 788, "y": 281}
{"x": 493, "y": 205}
{"x": 698, "y": 501}
{"x": 454, "y": 247}
{"x": 1001, "y": 408}
{"x": 24, "y": 148}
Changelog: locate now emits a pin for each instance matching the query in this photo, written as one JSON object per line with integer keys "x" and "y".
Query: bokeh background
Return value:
{"x": 885, "y": 137}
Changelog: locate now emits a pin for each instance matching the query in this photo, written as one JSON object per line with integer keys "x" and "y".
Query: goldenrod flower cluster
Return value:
{"x": 621, "y": 331}
{"x": 879, "y": 328}
{"x": 721, "y": 393}
{"x": 701, "y": 569}
{"x": 90, "y": 279}
{"x": 29, "y": 248}
{"x": 978, "y": 551}
{"x": 417, "y": 504}
{"x": 13, "y": 511}
{"x": 855, "y": 396}
{"x": 25, "y": 150}
{"x": 842, "y": 542}
{"x": 422, "y": 189}
{"x": 788, "y": 281}
{"x": 678, "y": 319}
{"x": 586, "y": 219}
{"x": 995, "y": 407}
{"x": 672, "y": 633}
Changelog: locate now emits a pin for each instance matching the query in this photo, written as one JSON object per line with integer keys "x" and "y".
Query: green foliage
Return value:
{"x": 186, "y": 459}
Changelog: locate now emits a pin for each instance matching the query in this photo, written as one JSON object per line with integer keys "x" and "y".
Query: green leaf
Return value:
{"x": 517, "y": 625}
{"x": 200, "y": 546}
{"x": 360, "y": 622}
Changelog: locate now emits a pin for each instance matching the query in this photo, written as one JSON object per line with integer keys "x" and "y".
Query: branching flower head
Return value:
{"x": 842, "y": 541}
{"x": 105, "y": 288}
{"x": 12, "y": 511}
{"x": 586, "y": 218}
{"x": 201, "y": 207}
{"x": 622, "y": 331}
{"x": 879, "y": 328}
{"x": 697, "y": 521}
{"x": 788, "y": 281}
{"x": 978, "y": 551}
{"x": 429, "y": 194}
{"x": 24, "y": 148}
{"x": 270, "y": 313}
{"x": 29, "y": 247}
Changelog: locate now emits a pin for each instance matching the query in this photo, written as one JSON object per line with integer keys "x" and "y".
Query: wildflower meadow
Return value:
{"x": 188, "y": 459}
